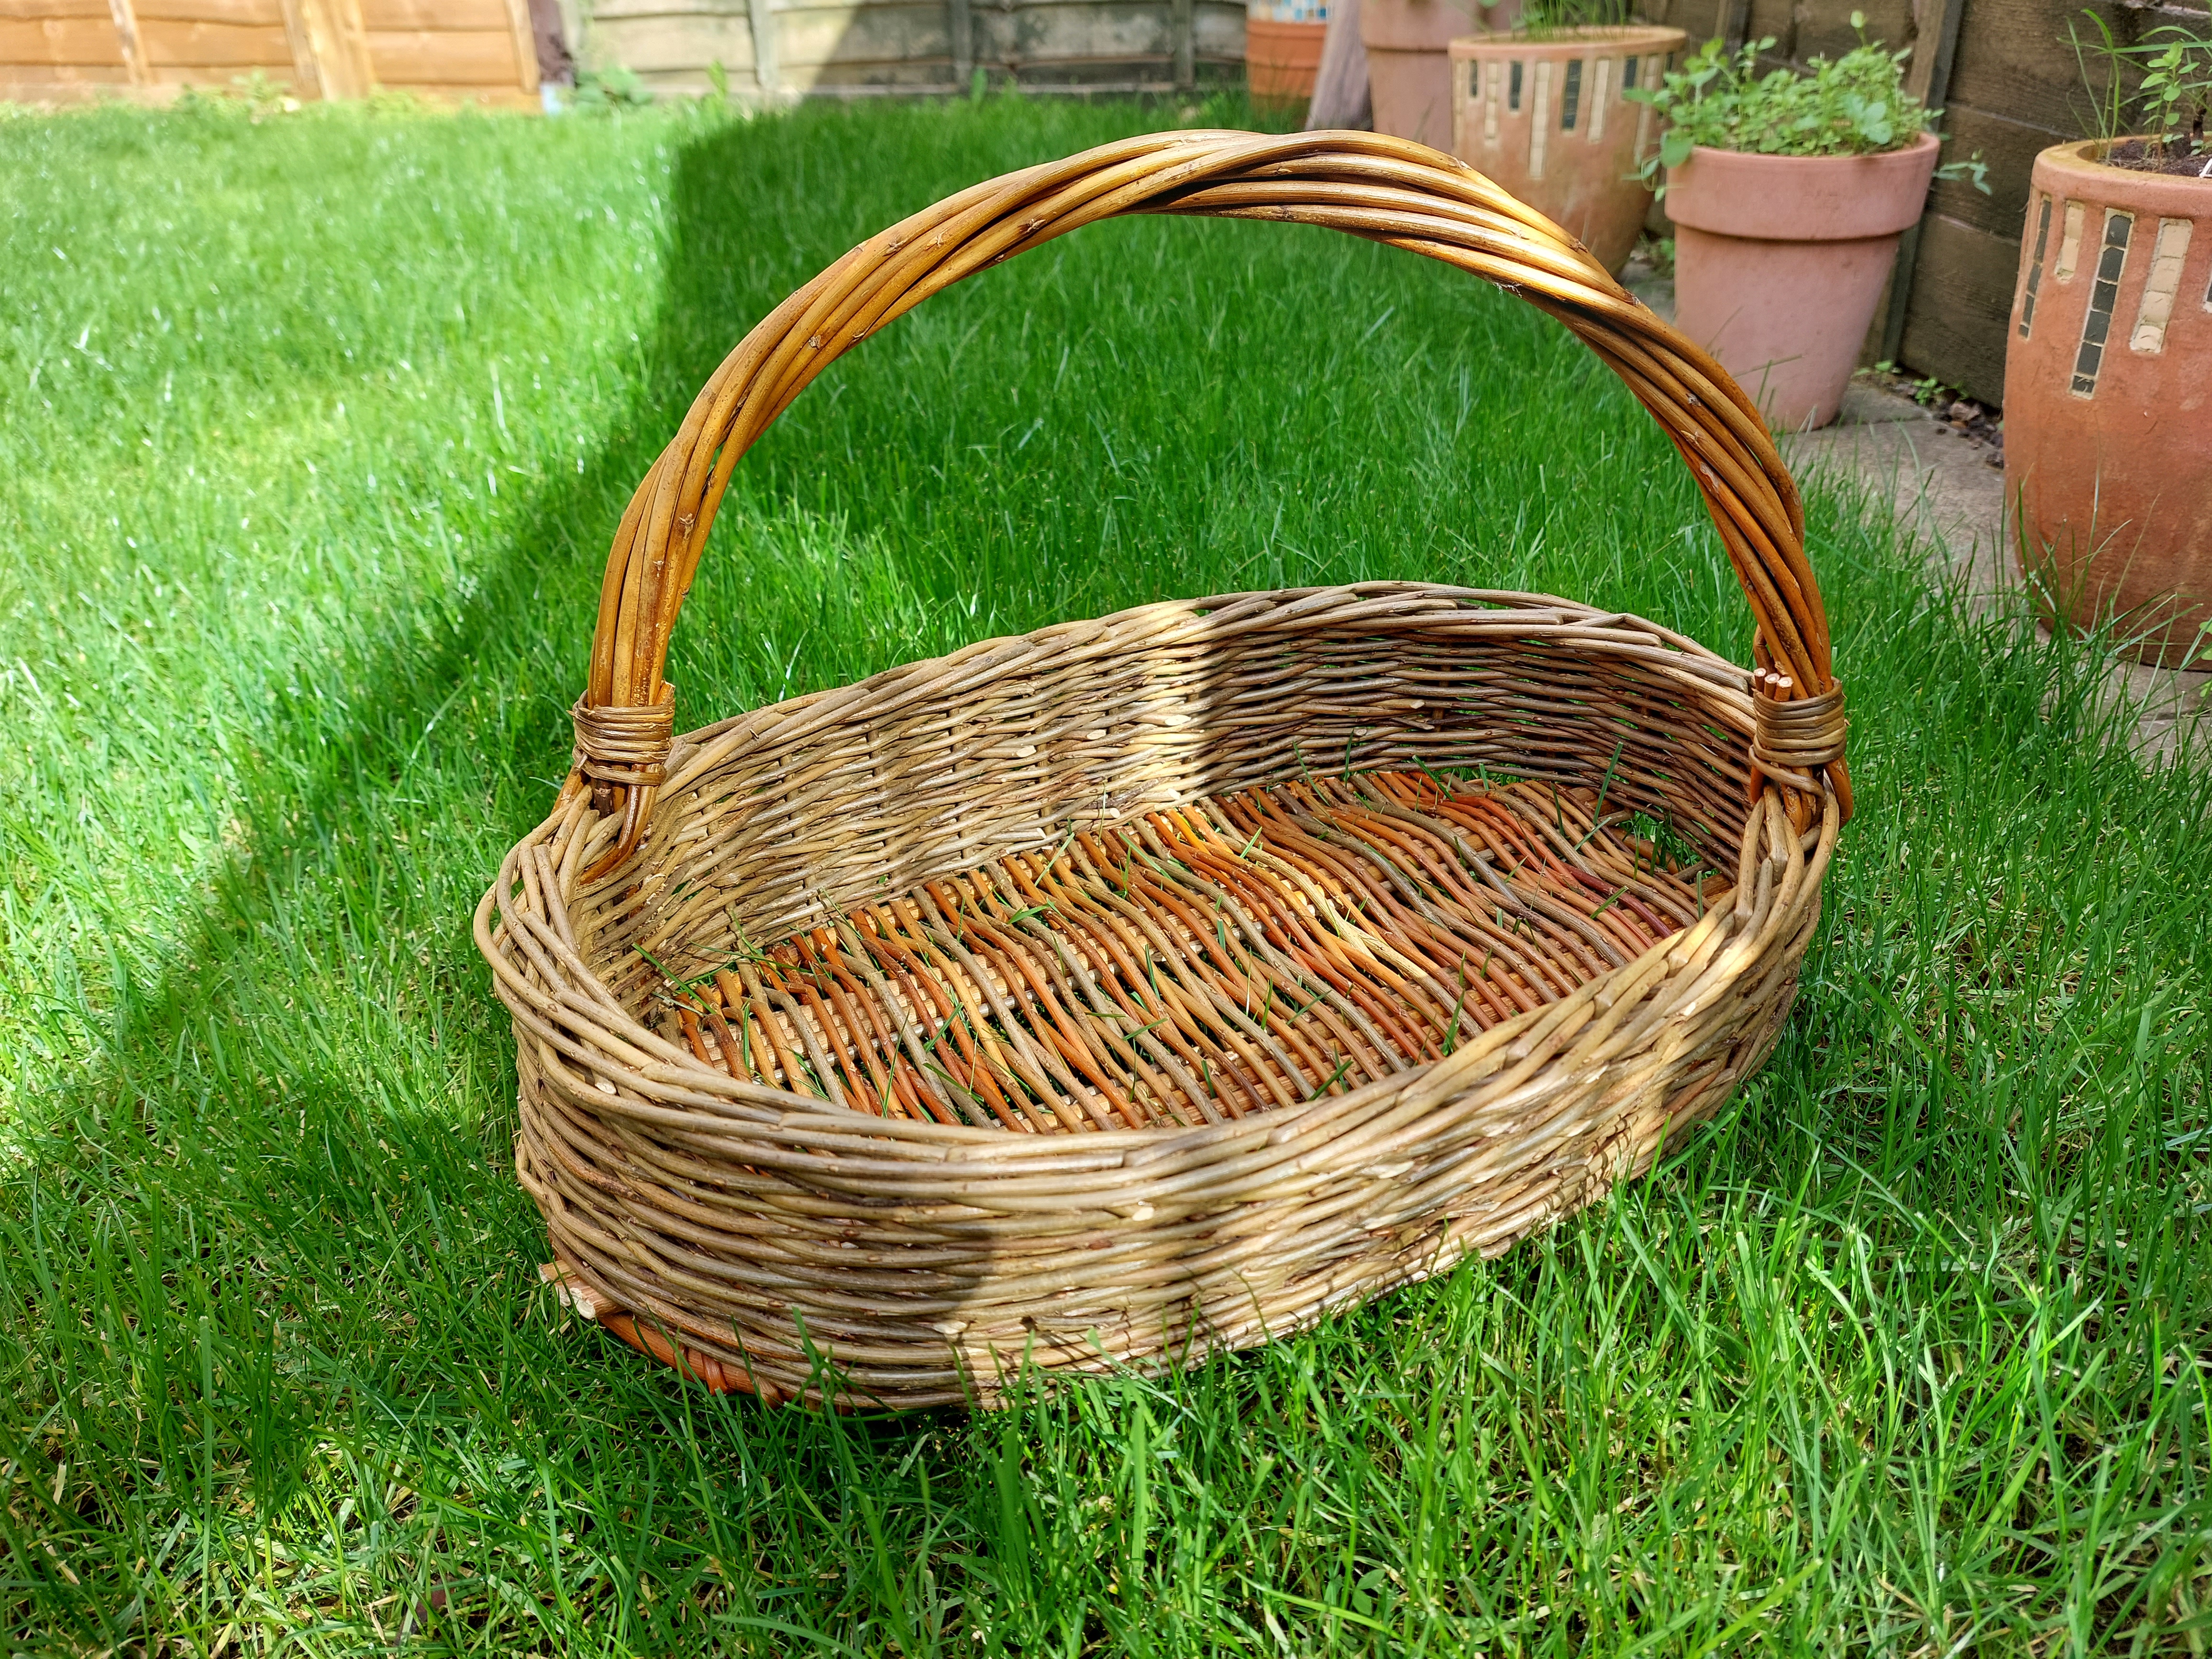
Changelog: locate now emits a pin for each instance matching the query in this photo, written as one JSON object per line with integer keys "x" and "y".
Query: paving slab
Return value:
{"x": 1946, "y": 489}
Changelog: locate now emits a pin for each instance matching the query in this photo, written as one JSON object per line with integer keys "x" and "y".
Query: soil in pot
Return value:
{"x": 1779, "y": 262}
{"x": 2143, "y": 156}
{"x": 2108, "y": 400}
{"x": 1550, "y": 120}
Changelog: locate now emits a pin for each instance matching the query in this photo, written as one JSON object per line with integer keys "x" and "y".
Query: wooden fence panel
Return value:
{"x": 55, "y": 50}
{"x": 773, "y": 50}
{"x": 478, "y": 50}
{"x": 668, "y": 44}
{"x": 1110, "y": 45}
{"x": 61, "y": 50}
{"x": 216, "y": 42}
{"x": 855, "y": 47}
{"x": 872, "y": 45}
{"x": 436, "y": 13}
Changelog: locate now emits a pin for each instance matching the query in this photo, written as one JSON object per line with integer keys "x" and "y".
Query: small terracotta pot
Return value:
{"x": 2108, "y": 399}
{"x": 1779, "y": 262}
{"x": 1550, "y": 121}
{"x": 1280, "y": 59}
{"x": 1409, "y": 71}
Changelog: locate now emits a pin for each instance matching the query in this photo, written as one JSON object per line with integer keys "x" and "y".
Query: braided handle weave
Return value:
{"x": 1384, "y": 189}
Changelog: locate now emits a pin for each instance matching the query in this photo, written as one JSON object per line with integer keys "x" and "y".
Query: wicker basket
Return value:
{"x": 1147, "y": 987}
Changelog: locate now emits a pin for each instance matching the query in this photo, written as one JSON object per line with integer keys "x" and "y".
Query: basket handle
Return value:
{"x": 1384, "y": 189}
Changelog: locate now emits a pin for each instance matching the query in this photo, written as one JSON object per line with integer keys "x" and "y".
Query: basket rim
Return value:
{"x": 1212, "y": 616}
{"x": 761, "y": 1117}
{"x": 749, "y": 1109}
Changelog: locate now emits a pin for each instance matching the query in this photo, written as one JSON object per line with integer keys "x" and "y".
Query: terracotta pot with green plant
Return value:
{"x": 2108, "y": 367}
{"x": 1788, "y": 191}
{"x": 1543, "y": 108}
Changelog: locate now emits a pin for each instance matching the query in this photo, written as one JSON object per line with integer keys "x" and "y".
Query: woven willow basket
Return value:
{"x": 1142, "y": 987}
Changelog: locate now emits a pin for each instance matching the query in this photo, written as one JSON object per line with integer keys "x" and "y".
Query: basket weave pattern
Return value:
{"x": 1194, "y": 964}
{"x": 1151, "y": 985}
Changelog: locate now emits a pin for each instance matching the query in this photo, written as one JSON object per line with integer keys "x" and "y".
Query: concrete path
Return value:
{"x": 1945, "y": 487}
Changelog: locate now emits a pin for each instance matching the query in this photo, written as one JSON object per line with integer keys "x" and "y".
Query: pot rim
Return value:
{"x": 1802, "y": 198}
{"x": 1925, "y": 142}
{"x": 1581, "y": 35}
{"x": 2070, "y": 171}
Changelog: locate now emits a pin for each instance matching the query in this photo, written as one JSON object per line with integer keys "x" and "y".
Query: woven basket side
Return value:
{"x": 696, "y": 1214}
{"x": 1384, "y": 189}
{"x": 788, "y": 818}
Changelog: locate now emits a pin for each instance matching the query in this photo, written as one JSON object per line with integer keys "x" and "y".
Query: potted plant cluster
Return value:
{"x": 1544, "y": 108}
{"x": 1788, "y": 190}
{"x": 1282, "y": 48}
{"x": 2108, "y": 367}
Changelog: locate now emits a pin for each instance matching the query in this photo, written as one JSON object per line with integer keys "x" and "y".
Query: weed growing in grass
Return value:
{"x": 311, "y": 437}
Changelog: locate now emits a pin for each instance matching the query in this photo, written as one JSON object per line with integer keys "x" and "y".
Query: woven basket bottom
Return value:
{"x": 1247, "y": 952}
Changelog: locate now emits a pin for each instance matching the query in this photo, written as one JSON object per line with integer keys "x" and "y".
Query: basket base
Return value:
{"x": 1200, "y": 964}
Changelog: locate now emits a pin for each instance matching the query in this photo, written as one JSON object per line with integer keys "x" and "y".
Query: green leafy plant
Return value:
{"x": 610, "y": 88}
{"x": 2177, "y": 88}
{"x": 2170, "y": 101}
{"x": 1854, "y": 105}
{"x": 261, "y": 95}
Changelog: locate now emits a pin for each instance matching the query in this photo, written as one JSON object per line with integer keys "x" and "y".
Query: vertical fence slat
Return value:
{"x": 126, "y": 33}
{"x": 526, "y": 45}
{"x": 960, "y": 29}
{"x": 330, "y": 35}
{"x": 306, "y": 72}
{"x": 1927, "y": 77}
{"x": 766, "y": 74}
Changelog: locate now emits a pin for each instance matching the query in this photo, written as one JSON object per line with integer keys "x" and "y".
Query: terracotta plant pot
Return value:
{"x": 1280, "y": 57}
{"x": 2108, "y": 399}
{"x": 1548, "y": 119}
{"x": 1779, "y": 262}
{"x": 1409, "y": 70}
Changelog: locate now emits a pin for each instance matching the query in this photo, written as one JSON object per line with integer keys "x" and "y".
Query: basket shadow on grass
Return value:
{"x": 260, "y": 1302}
{"x": 255, "y": 1309}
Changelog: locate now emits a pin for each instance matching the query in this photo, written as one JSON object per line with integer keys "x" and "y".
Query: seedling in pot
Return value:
{"x": 2169, "y": 105}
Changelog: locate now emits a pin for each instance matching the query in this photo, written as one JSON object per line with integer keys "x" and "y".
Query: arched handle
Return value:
{"x": 1384, "y": 189}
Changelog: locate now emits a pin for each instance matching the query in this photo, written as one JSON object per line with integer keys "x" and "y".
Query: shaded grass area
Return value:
{"x": 311, "y": 437}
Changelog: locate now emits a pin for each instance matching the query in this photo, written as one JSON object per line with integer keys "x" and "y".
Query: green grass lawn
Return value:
{"x": 312, "y": 433}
